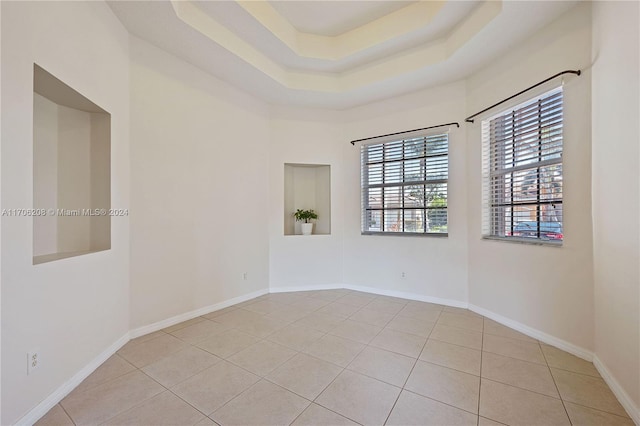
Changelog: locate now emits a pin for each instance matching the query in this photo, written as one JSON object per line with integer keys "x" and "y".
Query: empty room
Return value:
{"x": 320, "y": 213}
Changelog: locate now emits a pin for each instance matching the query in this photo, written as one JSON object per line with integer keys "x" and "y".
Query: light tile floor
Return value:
{"x": 340, "y": 357}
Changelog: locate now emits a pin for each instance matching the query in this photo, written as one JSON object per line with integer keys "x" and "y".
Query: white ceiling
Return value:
{"x": 332, "y": 18}
{"x": 335, "y": 54}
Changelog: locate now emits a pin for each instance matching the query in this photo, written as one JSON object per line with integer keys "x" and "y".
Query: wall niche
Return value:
{"x": 71, "y": 171}
{"x": 307, "y": 186}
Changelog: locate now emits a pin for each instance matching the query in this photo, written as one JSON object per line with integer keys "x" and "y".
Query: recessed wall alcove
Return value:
{"x": 71, "y": 171}
{"x": 307, "y": 186}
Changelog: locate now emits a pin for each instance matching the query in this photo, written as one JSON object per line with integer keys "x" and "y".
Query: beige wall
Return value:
{"x": 45, "y": 174}
{"x": 207, "y": 190}
{"x": 199, "y": 155}
{"x": 303, "y": 136}
{"x": 434, "y": 267}
{"x": 546, "y": 288}
{"x": 71, "y": 171}
{"x": 76, "y": 308}
{"x": 616, "y": 216}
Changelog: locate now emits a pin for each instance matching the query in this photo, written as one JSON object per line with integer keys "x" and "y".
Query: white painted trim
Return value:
{"x": 286, "y": 289}
{"x": 41, "y": 409}
{"x": 536, "y": 334}
{"x": 411, "y": 296}
{"x": 373, "y": 290}
{"x": 141, "y": 331}
{"x": 625, "y": 400}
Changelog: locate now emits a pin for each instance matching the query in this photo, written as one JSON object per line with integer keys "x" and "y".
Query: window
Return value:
{"x": 404, "y": 186}
{"x": 522, "y": 152}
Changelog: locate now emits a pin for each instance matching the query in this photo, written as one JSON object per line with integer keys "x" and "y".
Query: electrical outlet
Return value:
{"x": 402, "y": 275}
{"x": 244, "y": 276}
{"x": 33, "y": 361}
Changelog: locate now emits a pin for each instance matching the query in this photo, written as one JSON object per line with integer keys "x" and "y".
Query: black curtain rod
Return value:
{"x": 471, "y": 117}
{"x": 406, "y": 131}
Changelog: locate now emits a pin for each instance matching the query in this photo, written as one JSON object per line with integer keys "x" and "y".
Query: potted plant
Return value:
{"x": 305, "y": 216}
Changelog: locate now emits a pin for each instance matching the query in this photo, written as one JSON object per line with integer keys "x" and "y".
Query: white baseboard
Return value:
{"x": 625, "y": 400}
{"x": 287, "y": 289}
{"x": 41, "y": 409}
{"x": 373, "y": 290}
{"x": 623, "y": 397}
{"x": 411, "y": 296}
{"x": 141, "y": 331}
{"x": 576, "y": 350}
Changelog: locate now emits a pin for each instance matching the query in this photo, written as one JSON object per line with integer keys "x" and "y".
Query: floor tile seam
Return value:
{"x": 67, "y": 413}
{"x": 98, "y": 385}
{"x": 559, "y": 398}
{"x": 296, "y": 393}
{"x": 333, "y": 411}
{"x": 512, "y": 357}
{"x": 459, "y": 328}
{"x": 324, "y": 360}
{"x": 403, "y": 388}
{"x": 259, "y": 375}
{"x": 492, "y": 379}
{"x": 407, "y": 332}
{"x": 441, "y": 402}
{"x": 195, "y": 342}
{"x": 374, "y": 378}
{"x": 367, "y": 323}
{"x": 480, "y": 382}
{"x": 527, "y": 340}
{"x": 493, "y": 420}
{"x": 148, "y": 340}
{"x": 589, "y": 376}
{"x": 182, "y": 322}
{"x": 112, "y": 416}
{"x": 626, "y": 416}
{"x": 449, "y": 368}
{"x": 106, "y": 381}
{"x": 169, "y": 389}
{"x": 466, "y": 315}
{"x": 463, "y": 346}
{"x": 519, "y": 359}
{"x": 394, "y": 352}
{"x": 453, "y": 344}
{"x": 365, "y": 344}
{"x": 232, "y": 398}
{"x": 218, "y": 361}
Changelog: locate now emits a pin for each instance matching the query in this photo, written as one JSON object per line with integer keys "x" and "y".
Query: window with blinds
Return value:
{"x": 522, "y": 152}
{"x": 404, "y": 186}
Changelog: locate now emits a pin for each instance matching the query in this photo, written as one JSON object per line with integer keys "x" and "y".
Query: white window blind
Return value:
{"x": 404, "y": 186}
{"x": 522, "y": 155}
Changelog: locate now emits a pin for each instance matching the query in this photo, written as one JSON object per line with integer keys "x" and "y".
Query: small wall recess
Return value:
{"x": 71, "y": 171}
{"x": 307, "y": 187}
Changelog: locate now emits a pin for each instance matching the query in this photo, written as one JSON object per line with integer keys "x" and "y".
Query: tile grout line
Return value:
{"x": 480, "y": 381}
{"x": 410, "y": 372}
{"x": 555, "y": 384}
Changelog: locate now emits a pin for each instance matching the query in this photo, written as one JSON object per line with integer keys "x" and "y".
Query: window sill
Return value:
{"x": 525, "y": 241}
{"x": 407, "y": 234}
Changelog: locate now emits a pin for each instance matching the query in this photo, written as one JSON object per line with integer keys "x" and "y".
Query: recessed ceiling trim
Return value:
{"x": 387, "y": 68}
{"x": 335, "y": 48}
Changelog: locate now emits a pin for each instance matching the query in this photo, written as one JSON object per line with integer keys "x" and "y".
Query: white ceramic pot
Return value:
{"x": 306, "y": 228}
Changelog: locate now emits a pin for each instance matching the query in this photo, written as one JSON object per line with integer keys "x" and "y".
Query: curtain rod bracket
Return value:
{"x": 353, "y": 142}
{"x": 471, "y": 117}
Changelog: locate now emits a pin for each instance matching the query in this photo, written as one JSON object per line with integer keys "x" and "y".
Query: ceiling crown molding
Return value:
{"x": 336, "y": 47}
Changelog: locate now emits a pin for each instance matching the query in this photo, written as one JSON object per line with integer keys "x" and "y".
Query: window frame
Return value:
{"x": 492, "y": 174}
{"x": 401, "y": 185}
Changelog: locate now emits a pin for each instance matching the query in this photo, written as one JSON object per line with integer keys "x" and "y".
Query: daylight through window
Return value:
{"x": 523, "y": 171}
{"x": 404, "y": 186}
